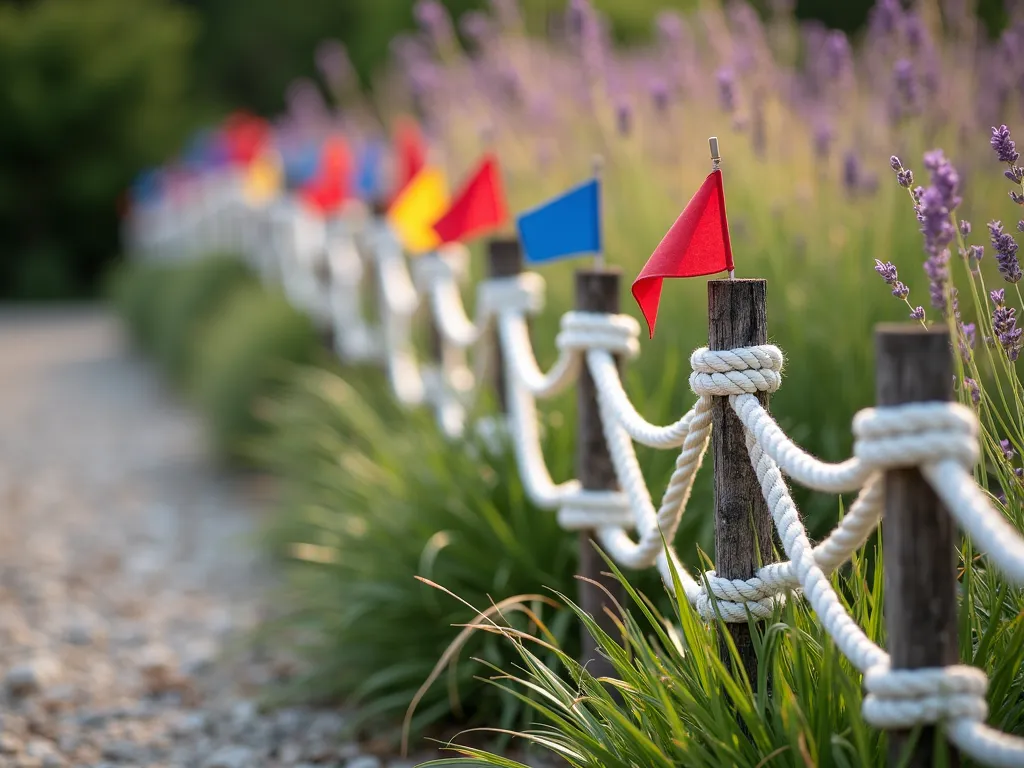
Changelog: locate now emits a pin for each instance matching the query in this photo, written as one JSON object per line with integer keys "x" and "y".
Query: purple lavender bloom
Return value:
{"x": 885, "y": 17}
{"x": 974, "y": 255}
{"x": 973, "y": 389}
{"x": 904, "y": 176}
{"x": 1017, "y": 197}
{"x": 965, "y": 227}
{"x": 726, "y": 89}
{"x": 968, "y": 334}
{"x": 944, "y": 177}
{"x": 900, "y": 290}
{"x": 837, "y": 58}
{"x": 1007, "y": 449}
{"x": 906, "y": 86}
{"x": 887, "y": 271}
{"x": 1004, "y": 323}
{"x": 1006, "y": 252}
{"x": 1020, "y": 225}
{"x": 434, "y": 18}
{"x": 1014, "y": 173}
{"x": 333, "y": 62}
{"x": 998, "y": 297}
{"x": 1004, "y": 145}
{"x": 937, "y": 269}
{"x": 917, "y": 313}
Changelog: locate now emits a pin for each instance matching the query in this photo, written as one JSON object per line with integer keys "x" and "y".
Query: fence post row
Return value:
{"x": 914, "y": 364}
{"x": 597, "y": 290}
{"x": 504, "y": 259}
{"x": 737, "y": 317}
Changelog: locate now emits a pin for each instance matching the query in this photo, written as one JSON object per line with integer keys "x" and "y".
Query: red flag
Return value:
{"x": 479, "y": 206}
{"x": 697, "y": 244}
{"x": 326, "y": 191}
{"x": 410, "y": 153}
{"x": 244, "y": 137}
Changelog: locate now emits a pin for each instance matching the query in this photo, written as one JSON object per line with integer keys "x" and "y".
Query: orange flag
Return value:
{"x": 478, "y": 207}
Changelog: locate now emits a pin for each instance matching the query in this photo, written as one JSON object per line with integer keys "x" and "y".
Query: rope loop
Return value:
{"x": 914, "y": 434}
{"x": 520, "y": 294}
{"x": 744, "y": 370}
{"x": 904, "y": 698}
{"x": 734, "y": 597}
{"x": 618, "y": 334}
{"x": 585, "y": 510}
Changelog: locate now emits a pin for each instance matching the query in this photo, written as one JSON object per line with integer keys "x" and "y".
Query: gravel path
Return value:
{"x": 127, "y": 571}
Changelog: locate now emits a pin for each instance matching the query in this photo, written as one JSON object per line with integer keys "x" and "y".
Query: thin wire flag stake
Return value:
{"x": 716, "y": 165}
{"x": 598, "y": 166}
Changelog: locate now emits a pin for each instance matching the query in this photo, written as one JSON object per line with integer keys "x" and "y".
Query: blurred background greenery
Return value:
{"x": 95, "y": 90}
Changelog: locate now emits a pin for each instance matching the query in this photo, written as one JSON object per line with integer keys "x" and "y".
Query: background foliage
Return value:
{"x": 95, "y": 90}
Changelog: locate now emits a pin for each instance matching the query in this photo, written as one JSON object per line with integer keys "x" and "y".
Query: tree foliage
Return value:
{"x": 93, "y": 90}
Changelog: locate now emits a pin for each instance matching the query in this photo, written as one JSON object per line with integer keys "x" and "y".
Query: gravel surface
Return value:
{"x": 128, "y": 575}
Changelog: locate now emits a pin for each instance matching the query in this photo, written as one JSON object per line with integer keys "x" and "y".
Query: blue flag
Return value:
{"x": 368, "y": 176}
{"x": 569, "y": 224}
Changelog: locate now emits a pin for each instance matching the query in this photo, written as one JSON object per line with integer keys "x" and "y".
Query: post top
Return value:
{"x": 594, "y": 271}
{"x": 736, "y": 280}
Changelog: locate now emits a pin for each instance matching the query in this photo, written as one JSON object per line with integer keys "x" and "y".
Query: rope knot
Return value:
{"x": 618, "y": 334}
{"x": 582, "y": 510}
{"x": 520, "y": 294}
{"x": 448, "y": 263}
{"x": 904, "y": 698}
{"x": 734, "y": 597}
{"x": 744, "y": 370}
{"x": 913, "y": 434}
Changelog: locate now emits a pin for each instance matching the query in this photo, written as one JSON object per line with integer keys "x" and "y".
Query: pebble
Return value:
{"x": 230, "y": 757}
{"x": 364, "y": 761}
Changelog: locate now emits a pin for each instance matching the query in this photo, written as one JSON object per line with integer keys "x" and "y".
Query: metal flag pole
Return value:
{"x": 598, "y": 166}
{"x": 716, "y": 165}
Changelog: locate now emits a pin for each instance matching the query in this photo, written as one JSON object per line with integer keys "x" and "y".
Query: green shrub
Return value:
{"x": 245, "y": 355}
{"x": 372, "y": 497}
{"x": 186, "y": 305}
{"x": 138, "y": 289}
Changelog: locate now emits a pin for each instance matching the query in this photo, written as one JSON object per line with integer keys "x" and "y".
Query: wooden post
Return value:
{"x": 738, "y": 317}
{"x": 914, "y": 364}
{"x": 504, "y": 259}
{"x": 597, "y": 290}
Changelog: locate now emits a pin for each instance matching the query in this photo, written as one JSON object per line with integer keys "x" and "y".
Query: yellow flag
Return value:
{"x": 263, "y": 178}
{"x": 423, "y": 201}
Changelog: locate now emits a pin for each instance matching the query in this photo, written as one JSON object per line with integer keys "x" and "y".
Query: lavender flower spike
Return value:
{"x": 917, "y": 313}
{"x": 1003, "y": 145}
{"x": 900, "y": 290}
{"x": 887, "y": 271}
{"x": 1006, "y": 252}
{"x": 965, "y": 227}
{"x": 904, "y": 176}
{"x": 973, "y": 389}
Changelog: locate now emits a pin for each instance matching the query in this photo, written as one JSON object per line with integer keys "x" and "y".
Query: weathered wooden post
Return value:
{"x": 914, "y": 364}
{"x": 504, "y": 259}
{"x": 738, "y": 317}
{"x": 597, "y": 290}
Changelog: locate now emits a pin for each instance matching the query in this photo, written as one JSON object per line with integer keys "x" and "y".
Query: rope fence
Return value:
{"x": 326, "y": 268}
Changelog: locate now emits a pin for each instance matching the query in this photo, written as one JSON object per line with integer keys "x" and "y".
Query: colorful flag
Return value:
{"x": 478, "y": 207}
{"x": 332, "y": 184}
{"x": 415, "y": 210}
{"x": 244, "y": 137}
{"x": 697, "y": 244}
{"x": 410, "y": 153}
{"x": 263, "y": 177}
{"x": 368, "y": 174}
{"x": 564, "y": 226}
